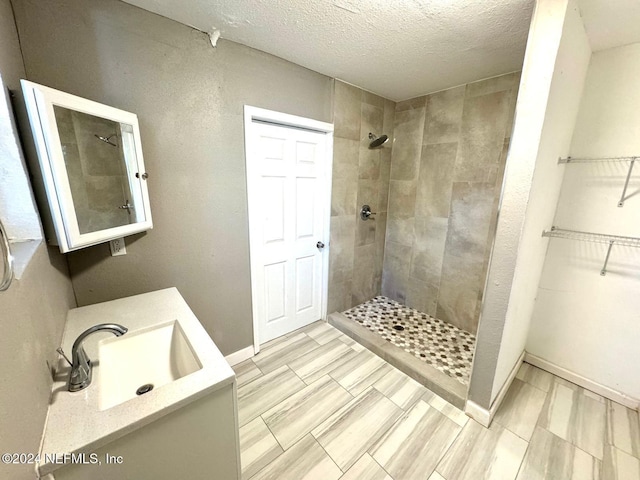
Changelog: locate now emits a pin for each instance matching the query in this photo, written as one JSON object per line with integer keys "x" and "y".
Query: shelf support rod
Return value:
{"x": 603, "y": 272}
{"x": 626, "y": 183}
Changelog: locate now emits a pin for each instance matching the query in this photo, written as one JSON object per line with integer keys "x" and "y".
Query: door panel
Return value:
{"x": 275, "y": 295}
{"x": 286, "y": 182}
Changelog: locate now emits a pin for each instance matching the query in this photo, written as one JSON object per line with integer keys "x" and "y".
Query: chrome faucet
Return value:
{"x": 80, "y": 377}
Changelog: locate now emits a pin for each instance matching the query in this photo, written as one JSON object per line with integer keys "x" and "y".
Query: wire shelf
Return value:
{"x": 592, "y": 237}
{"x": 596, "y": 160}
{"x": 632, "y": 161}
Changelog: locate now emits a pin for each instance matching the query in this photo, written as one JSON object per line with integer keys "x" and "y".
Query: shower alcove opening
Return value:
{"x": 407, "y": 279}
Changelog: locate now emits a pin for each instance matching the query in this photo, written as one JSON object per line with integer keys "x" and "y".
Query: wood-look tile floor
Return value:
{"x": 316, "y": 405}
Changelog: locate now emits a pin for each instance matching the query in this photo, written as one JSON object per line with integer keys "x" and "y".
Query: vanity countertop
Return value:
{"x": 75, "y": 423}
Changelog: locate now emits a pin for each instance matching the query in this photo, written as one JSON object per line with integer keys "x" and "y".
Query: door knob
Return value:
{"x": 320, "y": 245}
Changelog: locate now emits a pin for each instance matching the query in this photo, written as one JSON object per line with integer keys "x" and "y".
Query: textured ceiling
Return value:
{"x": 611, "y": 23}
{"x": 396, "y": 48}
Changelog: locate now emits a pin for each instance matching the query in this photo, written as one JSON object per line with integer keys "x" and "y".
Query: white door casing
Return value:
{"x": 288, "y": 162}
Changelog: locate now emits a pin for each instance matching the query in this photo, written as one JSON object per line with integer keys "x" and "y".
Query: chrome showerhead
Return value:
{"x": 377, "y": 142}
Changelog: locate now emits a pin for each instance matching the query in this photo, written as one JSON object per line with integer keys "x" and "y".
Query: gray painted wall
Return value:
{"x": 33, "y": 313}
{"x": 189, "y": 98}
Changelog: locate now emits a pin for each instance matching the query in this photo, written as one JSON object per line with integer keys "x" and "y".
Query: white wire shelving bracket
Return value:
{"x": 594, "y": 238}
{"x": 632, "y": 161}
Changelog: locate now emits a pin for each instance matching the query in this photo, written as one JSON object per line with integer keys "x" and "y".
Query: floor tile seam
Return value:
{"x": 287, "y": 337}
{"x": 620, "y": 450}
{"x": 264, "y": 375}
{"x": 314, "y": 426}
{"x": 376, "y": 461}
{"x": 298, "y": 356}
{"x": 315, "y": 439}
{"x": 607, "y": 444}
{"x": 536, "y": 423}
{"x": 405, "y": 409}
{"x": 262, "y": 412}
{"x": 520, "y": 467}
{"x": 534, "y": 386}
{"x": 446, "y": 452}
{"x": 515, "y": 433}
{"x": 571, "y": 443}
{"x": 607, "y": 433}
{"x": 276, "y": 438}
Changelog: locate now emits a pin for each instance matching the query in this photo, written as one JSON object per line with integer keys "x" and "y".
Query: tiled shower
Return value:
{"x": 435, "y": 189}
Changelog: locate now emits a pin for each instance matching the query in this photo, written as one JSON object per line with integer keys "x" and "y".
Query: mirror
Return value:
{"x": 92, "y": 171}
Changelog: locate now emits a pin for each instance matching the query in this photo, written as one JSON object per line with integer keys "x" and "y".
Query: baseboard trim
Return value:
{"x": 240, "y": 356}
{"x": 477, "y": 413}
{"x": 591, "y": 385}
{"x": 483, "y": 416}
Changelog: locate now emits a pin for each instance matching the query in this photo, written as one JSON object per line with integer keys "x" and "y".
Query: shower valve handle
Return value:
{"x": 365, "y": 212}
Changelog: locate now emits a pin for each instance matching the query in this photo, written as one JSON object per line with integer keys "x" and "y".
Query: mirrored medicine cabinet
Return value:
{"x": 90, "y": 168}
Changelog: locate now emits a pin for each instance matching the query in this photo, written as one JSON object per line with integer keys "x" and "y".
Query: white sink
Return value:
{"x": 151, "y": 357}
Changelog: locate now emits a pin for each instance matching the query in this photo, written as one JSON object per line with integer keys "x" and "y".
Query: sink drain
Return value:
{"x": 398, "y": 327}
{"x": 144, "y": 389}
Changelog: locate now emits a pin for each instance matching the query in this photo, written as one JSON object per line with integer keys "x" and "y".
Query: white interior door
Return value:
{"x": 288, "y": 201}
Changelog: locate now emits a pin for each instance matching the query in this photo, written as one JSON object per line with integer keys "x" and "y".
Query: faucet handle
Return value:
{"x": 61, "y": 352}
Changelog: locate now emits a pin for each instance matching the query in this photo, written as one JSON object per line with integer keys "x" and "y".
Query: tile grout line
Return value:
{"x": 444, "y": 454}
{"x": 378, "y": 463}
{"x": 315, "y": 439}
{"x": 276, "y": 438}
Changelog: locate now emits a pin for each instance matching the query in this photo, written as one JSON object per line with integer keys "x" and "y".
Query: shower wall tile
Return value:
{"x": 458, "y": 294}
{"x": 365, "y": 276}
{"x": 401, "y": 230}
{"x": 512, "y": 105}
{"x": 406, "y": 159}
{"x": 395, "y": 272}
{"x": 422, "y": 296}
{"x": 436, "y": 176}
{"x": 389, "y": 119}
{"x": 443, "y": 116}
{"x": 372, "y": 120}
{"x": 343, "y": 195}
{"x": 493, "y": 85}
{"x": 339, "y": 298}
{"x": 409, "y": 126}
{"x": 402, "y": 198}
{"x": 383, "y": 184}
{"x": 365, "y": 232}
{"x": 369, "y": 163}
{"x": 360, "y": 176}
{"x": 368, "y": 195}
{"x": 373, "y": 99}
{"x": 381, "y": 228}
{"x": 484, "y": 124}
{"x": 412, "y": 103}
{"x": 428, "y": 249}
{"x": 464, "y": 137}
{"x": 345, "y": 154}
{"x": 470, "y": 218}
{"x": 342, "y": 244}
{"x": 346, "y": 110}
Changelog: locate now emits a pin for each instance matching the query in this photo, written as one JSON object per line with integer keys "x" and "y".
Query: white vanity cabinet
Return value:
{"x": 196, "y": 442}
{"x": 184, "y": 427}
{"x": 90, "y": 170}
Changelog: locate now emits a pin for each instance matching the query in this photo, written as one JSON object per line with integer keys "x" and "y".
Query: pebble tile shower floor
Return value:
{"x": 438, "y": 343}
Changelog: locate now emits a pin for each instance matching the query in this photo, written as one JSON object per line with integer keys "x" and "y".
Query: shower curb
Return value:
{"x": 438, "y": 382}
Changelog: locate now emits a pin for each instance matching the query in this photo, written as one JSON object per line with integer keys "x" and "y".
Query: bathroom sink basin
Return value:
{"x": 139, "y": 362}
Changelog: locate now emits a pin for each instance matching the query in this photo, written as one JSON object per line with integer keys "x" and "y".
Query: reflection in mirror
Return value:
{"x": 96, "y": 154}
